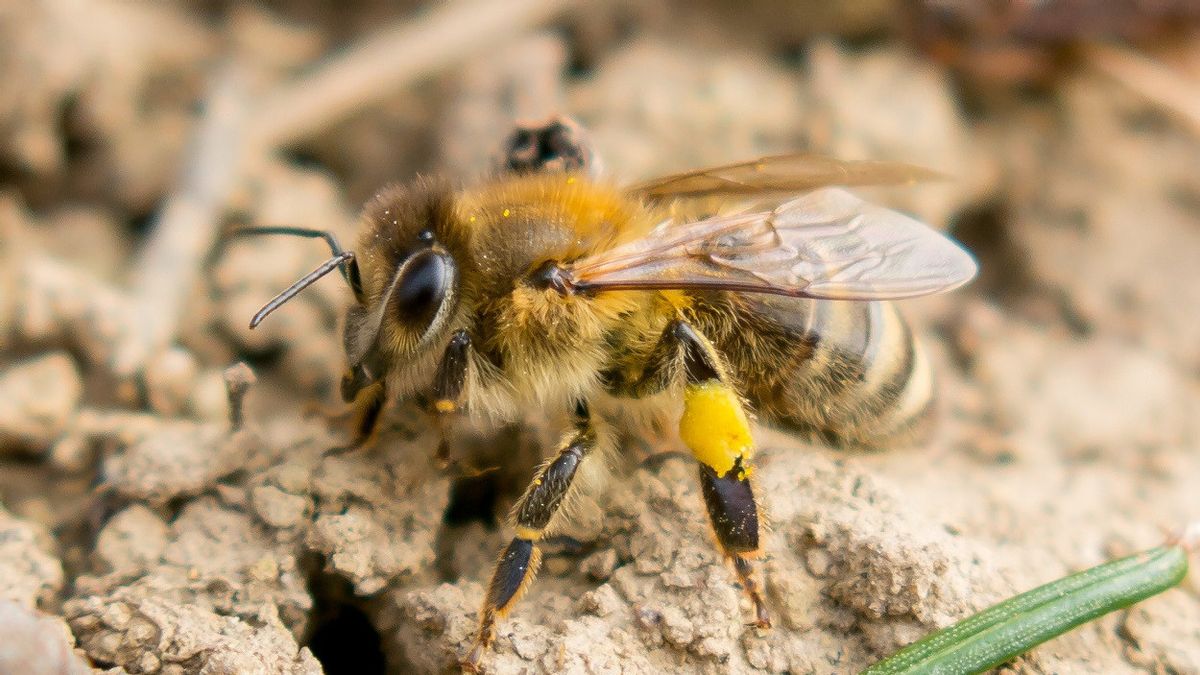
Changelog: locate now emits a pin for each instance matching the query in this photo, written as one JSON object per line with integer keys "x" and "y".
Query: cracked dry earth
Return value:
{"x": 208, "y": 564}
{"x": 144, "y": 531}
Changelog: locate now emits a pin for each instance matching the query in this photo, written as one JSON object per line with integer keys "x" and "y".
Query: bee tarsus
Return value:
{"x": 519, "y": 561}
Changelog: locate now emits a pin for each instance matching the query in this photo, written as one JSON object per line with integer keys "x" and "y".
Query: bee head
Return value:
{"x": 410, "y": 256}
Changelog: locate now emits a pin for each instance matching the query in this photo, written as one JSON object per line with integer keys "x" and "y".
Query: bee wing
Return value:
{"x": 780, "y": 173}
{"x": 825, "y": 244}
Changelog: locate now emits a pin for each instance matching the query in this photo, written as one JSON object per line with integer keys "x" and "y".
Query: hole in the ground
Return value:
{"x": 1005, "y": 273}
{"x": 342, "y": 636}
{"x": 509, "y": 455}
{"x": 473, "y": 499}
{"x": 984, "y": 230}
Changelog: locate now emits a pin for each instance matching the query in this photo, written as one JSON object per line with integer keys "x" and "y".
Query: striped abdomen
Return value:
{"x": 850, "y": 373}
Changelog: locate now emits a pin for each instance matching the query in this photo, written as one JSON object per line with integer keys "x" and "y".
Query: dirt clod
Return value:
{"x": 29, "y": 574}
{"x": 37, "y": 400}
{"x": 36, "y": 645}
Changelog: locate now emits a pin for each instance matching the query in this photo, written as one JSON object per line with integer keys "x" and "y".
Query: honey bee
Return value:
{"x": 556, "y": 290}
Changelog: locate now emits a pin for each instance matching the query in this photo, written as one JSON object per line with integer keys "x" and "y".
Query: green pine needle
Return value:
{"x": 1013, "y": 627}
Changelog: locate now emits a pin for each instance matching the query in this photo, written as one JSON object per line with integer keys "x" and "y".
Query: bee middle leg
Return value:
{"x": 367, "y": 396}
{"x": 448, "y": 384}
{"x": 519, "y": 560}
{"x": 715, "y": 428}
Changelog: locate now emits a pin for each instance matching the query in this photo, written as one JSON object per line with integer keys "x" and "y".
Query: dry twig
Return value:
{"x": 187, "y": 227}
{"x": 238, "y": 380}
{"x": 168, "y": 266}
{"x": 380, "y": 65}
{"x": 1176, "y": 93}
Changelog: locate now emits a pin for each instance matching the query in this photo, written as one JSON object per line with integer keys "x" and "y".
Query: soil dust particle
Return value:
{"x": 181, "y": 459}
{"x": 37, "y": 400}
{"x": 377, "y": 520}
{"x": 599, "y": 566}
{"x": 133, "y": 539}
{"x": 36, "y": 645}
{"x": 29, "y": 574}
{"x": 169, "y": 379}
{"x": 602, "y": 601}
{"x": 353, "y": 541}
{"x": 203, "y": 600}
{"x": 278, "y": 508}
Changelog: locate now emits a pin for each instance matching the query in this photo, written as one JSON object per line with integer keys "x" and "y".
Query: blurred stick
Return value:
{"x": 187, "y": 227}
{"x": 1150, "y": 78}
{"x": 167, "y": 267}
{"x": 378, "y": 66}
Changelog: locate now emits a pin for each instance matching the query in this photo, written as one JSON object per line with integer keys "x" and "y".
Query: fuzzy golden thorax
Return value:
{"x": 531, "y": 345}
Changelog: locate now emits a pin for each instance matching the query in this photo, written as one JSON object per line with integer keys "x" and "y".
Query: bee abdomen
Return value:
{"x": 855, "y": 376}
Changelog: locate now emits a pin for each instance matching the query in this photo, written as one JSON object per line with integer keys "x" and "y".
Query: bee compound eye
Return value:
{"x": 422, "y": 287}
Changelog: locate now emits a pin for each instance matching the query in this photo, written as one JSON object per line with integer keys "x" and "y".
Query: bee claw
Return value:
{"x": 472, "y": 662}
{"x": 339, "y": 420}
{"x": 473, "y": 472}
{"x": 761, "y": 623}
{"x": 461, "y": 469}
{"x": 332, "y": 415}
{"x": 762, "y": 619}
{"x": 441, "y": 457}
{"x": 338, "y": 450}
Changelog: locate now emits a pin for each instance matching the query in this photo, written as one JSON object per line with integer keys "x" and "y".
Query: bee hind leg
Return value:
{"x": 715, "y": 428}
{"x": 733, "y": 513}
{"x": 518, "y": 562}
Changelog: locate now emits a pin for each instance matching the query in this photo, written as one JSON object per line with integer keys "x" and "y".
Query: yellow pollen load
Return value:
{"x": 715, "y": 427}
{"x": 443, "y": 405}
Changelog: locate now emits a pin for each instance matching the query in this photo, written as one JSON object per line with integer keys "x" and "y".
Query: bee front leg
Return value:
{"x": 364, "y": 387}
{"x": 366, "y": 396}
{"x": 448, "y": 384}
{"x": 715, "y": 428}
{"x": 519, "y": 560}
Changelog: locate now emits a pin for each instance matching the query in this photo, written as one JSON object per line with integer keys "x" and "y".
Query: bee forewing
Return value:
{"x": 845, "y": 248}
{"x": 780, "y": 174}
{"x": 826, "y": 244}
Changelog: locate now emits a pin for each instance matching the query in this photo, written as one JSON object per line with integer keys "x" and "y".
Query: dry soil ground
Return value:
{"x": 143, "y": 531}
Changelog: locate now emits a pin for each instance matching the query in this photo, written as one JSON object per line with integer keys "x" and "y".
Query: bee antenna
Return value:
{"x": 347, "y": 267}
{"x": 302, "y": 283}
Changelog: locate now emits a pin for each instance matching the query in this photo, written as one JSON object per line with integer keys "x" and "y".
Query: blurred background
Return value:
{"x": 134, "y": 136}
